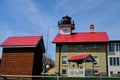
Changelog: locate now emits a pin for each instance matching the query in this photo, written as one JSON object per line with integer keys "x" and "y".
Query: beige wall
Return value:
{"x": 101, "y": 67}
{"x": 86, "y": 49}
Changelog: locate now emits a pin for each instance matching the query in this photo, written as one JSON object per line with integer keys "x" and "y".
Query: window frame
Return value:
{"x": 118, "y": 72}
{"x": 117, "y": 45}
{"x": 111, "y": 72}
{"x": 64, "y": 60}
{"x": 111, "y": 61}
{"x": 117, "y": 61}
{"x": 96, "y": 71}
{"x": 114, "y": 61}
{"x": 96, "y": 60}
{"x": 79, "y": 47}
{"x": 64, "y": 71}
{"x": 64, "y": 48}
{"x": 111, "y": 47}
{"x": 95, "y": 45}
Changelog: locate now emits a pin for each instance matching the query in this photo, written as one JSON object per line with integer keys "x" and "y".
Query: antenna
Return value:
{"x": 47, "y": 40}
{"x": 45, "y": 54}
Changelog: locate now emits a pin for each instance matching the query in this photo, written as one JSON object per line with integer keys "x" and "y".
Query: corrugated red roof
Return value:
{"x": 81, "y": 37}
{"x": 78, "y": 57}
{"x": 21, "y": 41}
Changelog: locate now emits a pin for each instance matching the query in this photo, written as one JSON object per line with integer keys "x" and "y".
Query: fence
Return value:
{"x": 80, "y": 72}
{"x": 25, "y": 77}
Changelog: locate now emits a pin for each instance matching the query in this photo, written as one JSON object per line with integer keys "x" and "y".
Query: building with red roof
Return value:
{"x": 22, "y": 55}
{"x": 69, "y": 44}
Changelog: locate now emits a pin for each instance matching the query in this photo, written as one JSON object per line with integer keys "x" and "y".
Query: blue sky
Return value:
{"x": 32, "y": 17}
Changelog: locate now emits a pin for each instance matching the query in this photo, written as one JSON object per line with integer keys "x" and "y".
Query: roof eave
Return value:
{"x": 85, "y": 42}
{"x": 8, "y": 46}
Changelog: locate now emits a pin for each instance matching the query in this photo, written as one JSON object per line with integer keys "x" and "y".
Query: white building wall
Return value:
{"x": 113, "y": 68}
{"x": 65, "y": 30}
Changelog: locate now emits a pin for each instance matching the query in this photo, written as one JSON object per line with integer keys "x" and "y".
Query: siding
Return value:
{"x": 21, "y": 61}
{"x": 17, "y": 63}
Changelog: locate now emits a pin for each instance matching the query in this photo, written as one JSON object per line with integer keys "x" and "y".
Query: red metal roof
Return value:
{"x": 79, "y": 57}
{"x": 81, "y": 37}
{"x": 21, "y": 41}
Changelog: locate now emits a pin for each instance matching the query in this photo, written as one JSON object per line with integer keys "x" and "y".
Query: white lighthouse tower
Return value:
{"x": 66, "y": 25}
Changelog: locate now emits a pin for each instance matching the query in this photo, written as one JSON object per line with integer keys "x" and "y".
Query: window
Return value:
{"x": 111, "y": 63}
{"x": 117, "y": 46}
{"x": 114, "y": 61}
{"x": 111, "y": 47}
{"x": 96, "y": 71}
{"x": 118, "y": 72}
{"x": 63, "y": 71}
{"x": 111, "y": 72}
{"x": 96, "y": 60}
{"x": 79, "y": 47}
{"x": 65, "y": 48}
{"x": 114, "y": 47}
{"x": 118, "y": 61}
{"x": 64, "y": 59}
{"x": 95, "y": 46}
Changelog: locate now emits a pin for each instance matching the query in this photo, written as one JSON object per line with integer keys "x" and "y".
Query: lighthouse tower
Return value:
{"x": 66, "y": 25}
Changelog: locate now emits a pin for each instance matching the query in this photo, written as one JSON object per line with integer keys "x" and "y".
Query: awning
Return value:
{"x": 86, "y": 57}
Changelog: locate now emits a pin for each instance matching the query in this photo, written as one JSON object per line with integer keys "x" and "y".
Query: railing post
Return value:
{"x": 84, "y": 69}
{"x": 57, "y": 76}
{"x": 93, "y": 68}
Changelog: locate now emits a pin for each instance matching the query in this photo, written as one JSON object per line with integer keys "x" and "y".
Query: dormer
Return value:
{"x": 66, "y": 25}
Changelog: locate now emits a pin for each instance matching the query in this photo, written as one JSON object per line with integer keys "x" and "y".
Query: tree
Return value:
{"x": 47, "y": 61}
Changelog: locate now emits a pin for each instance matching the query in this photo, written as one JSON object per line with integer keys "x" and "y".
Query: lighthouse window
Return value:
{"x": 65, "y": 30}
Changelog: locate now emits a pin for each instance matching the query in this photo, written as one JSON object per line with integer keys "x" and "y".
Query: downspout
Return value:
{"x": 59, "y": 59}
{"x": 106, "y": 59}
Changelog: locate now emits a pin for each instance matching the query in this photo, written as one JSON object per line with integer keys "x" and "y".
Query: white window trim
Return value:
{"x": 66, "y": 60}
{"x": 115, "y": 47}
{"x": 115, "y": 61}
{"x": 97, "y": 61}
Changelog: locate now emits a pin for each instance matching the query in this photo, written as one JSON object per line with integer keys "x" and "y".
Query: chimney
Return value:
{"x": 92, "y": 28}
